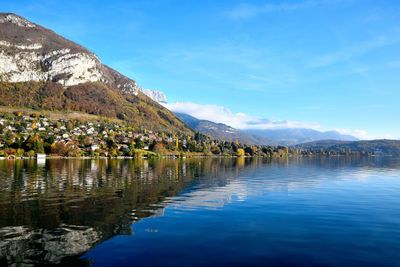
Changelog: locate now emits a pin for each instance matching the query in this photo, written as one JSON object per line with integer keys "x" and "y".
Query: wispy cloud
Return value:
{"x": 244, "y": 11}
{"x": 220, "y": 114}
{"x": 233, "y": 64}
{"x": 351, "y": 52}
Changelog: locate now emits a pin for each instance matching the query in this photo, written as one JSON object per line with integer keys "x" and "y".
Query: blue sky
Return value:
{"x": 321, "y": 64}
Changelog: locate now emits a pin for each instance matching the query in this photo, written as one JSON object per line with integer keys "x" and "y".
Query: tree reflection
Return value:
{"x": 53, "y": 213}
{"x": 77, "y": 203}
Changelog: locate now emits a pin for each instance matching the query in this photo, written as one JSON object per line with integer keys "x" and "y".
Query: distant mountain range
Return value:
{"x": 221, "y": 131}
{"x": 42, "y": 70}
{"x": 291, "y": 136}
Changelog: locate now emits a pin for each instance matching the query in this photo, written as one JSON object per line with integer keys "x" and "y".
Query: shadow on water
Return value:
{"x": 53, "y": 212}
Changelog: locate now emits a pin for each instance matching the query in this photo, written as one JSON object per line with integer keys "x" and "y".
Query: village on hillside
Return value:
{"x": 33, "y": 135}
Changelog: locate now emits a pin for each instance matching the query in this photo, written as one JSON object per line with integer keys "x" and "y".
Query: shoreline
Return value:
{"x": 195, "y": 156}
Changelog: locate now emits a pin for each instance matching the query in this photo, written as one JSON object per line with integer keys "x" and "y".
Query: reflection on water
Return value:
{"x": 55, "y": 212}
{"x": 63, "y": 208}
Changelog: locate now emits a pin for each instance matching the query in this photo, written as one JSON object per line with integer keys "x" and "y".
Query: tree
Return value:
{"x": 234, "y": 146}
{"x": 87, "y": 141}
{"x": 240, "y": 152}
{"x": 110, "y": 143}
{"x": 215, "y": 150}
{"x": 30, "y": 154}
{"x": 8, "y": 138}
{"x": 267, "y": 150}
{"x": 73, "y": 149}
{"x": 159, "y": 148}
{"x": 59, "y": 148}
{"x": 191, "y": 146}
{"x": 176, "y": 143}
{"x": 249, "y": 150}
{"x": 114, "y": 153}
{"x": 35, "y": 143}
{"x": 132, "y": 146}
{"x": 139, "y": 143}
{"x": 20, "y": 152}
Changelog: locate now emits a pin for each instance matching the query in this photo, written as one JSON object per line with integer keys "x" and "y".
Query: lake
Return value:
{"x": 195, "y": 212}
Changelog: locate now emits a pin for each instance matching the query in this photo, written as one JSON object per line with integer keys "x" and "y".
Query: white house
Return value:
{"x": 40, "y": 156}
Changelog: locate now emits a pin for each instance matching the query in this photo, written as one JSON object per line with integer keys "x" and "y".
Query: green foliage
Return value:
{"x": 139, "y": 144}
{"x": 20, "y": 152}
{"x": 249, "y": 150}
{"x": 30, "y": 154}
{"x": 215, "y": 150}
{"x": 35, "y": 143}
{"x": 138, "y": 153}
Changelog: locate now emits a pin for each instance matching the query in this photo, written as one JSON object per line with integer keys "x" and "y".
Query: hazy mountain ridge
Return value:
{"x": 289, "y": 136}
{"x": 220, "y": 131}
{"x": 42, "y": 70}
{"x": 292, "y": 136}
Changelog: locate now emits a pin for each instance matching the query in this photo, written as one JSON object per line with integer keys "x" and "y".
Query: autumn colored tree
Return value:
{"x": 59, "y": 148}
{"x": 240, "y": 152}
{"x": 159, "y": 148}
{"x": 35, "y": 143}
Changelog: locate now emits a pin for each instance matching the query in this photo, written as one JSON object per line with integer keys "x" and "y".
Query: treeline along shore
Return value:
{"x": 30, "y": 134}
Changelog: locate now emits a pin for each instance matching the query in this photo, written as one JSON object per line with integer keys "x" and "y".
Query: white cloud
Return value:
{"x": 364, "y": 135}
{"x": 360, "y": 134}
{"x": 220, "y": 114}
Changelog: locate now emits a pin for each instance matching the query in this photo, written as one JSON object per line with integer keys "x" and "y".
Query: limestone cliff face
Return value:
{"x": 29, "y": 52}
{"x": 156, "y": 95}
{"x": 60, "y": 66}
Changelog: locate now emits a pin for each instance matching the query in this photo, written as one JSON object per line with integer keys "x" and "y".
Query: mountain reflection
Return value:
{"x": 53, "y": 212}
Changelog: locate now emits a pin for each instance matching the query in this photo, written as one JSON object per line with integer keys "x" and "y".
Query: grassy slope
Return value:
{"x": 91, "y": 98}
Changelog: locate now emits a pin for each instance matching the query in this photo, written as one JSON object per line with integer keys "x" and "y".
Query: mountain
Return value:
{"x": 377, "y": 147}
{"x": 271, "y": 137}
{"x": 220, "y": 131}
{"x": 42, "y": 70}
{"x": 156, "y": 95}
{"x": 294, "y": 136}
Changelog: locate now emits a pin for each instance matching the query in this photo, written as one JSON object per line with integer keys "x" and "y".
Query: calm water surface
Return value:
{"x": 197, "y": 212}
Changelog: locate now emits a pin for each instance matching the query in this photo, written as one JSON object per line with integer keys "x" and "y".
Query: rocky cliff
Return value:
{"x": 155, "y": 95}
{"x": 30, "y": 52}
